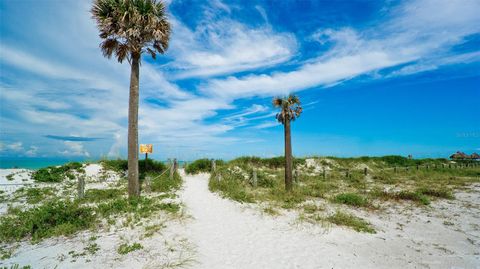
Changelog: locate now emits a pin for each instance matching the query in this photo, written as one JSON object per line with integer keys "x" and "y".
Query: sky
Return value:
{"x": 374, "y": 77}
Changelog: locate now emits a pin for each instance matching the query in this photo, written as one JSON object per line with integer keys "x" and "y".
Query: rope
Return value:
{"x": 162, "y": 173}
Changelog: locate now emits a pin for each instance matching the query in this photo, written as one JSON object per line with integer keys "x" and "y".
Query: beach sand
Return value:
{"x": 220, "y": 233}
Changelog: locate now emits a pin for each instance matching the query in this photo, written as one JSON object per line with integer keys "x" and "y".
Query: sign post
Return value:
{"x": 146, "y": 148}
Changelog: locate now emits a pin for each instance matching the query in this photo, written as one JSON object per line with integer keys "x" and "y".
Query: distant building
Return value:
{"x": 475, "y": 156}
{"x": 459, "y": 156}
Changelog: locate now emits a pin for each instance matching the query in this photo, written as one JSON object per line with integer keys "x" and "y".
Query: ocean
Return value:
{"x": 37, "y": 163}
{"x": 33, "y": 163}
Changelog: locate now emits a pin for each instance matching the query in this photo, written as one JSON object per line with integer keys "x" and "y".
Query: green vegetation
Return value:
{"x": 17, "y": 266}
{"x": 141, "y": 206}
{"x": 125, "y": 248}
{"x": 403, "y": 195}
{"x": 166, "y": 184}
{"x": 98, "y": 195}
{"x": 343, "y": 182}
{"x": 356, "y": 223}
{"x": 352, "y": 199}
{"x": 65, "y": 217}
{"x": 57, "y": 174}
{"x": 91, "y": 249}
{"x": 439, "y": 193}
{"x": 145, "y": 166}
{"x": 50, "y": 219}
{"x": 10, "y": 177}
{"x": 34, "y": 195}
{"x": 201, "y": 165}
{"x": 275, "y": 162}
{"x": 152, "y": 229}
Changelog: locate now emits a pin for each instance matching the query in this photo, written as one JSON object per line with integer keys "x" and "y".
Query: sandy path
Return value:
{"x": 229, "y": 235}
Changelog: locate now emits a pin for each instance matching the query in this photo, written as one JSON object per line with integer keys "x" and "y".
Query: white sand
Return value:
{"x": 226, "y": 234}
{"x": 229, "y": 235}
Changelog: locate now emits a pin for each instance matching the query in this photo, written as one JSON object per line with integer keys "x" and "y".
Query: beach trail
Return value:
{"x": 231, "y": 235}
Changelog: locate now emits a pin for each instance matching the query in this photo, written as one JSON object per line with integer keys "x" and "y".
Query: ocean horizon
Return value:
{"x": 37, "y": 163}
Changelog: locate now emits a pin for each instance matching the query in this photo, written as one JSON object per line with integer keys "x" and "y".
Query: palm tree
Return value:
{"x": 290, "y": 109}
{"x": 128, "y": 29}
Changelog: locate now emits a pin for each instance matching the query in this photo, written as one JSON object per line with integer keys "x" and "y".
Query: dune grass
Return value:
{"x": 349, "y": 220}
{"x": 344, "y": 181}
{"x": 50, "y": 214}
{"x": 126, "y": 248}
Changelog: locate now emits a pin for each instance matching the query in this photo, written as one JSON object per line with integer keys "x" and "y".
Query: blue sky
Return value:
{"x": 374, "y": 77}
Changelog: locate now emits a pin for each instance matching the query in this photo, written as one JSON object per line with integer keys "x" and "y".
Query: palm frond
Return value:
{"x": 136, "y": 25}
{"x": 290, "y": 108}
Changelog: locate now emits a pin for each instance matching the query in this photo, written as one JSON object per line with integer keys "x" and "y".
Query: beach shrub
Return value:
{"x": 165, "y": 184}
{"x": 34, "y": 195}
{"x": 10, "y": 177}
{"x": 202, "y": 165}
{"x": 98, "y": 195}
{"x": 125, "y": 248}
{"x": 356, "y": 223}
{"x": 115, "y": 165}
{"x": 144, "y": 166}
{"x": 401, "y": 195}
{"x": 17, "y": 266}
{"x": 231, "y": 185}
{"x": 439, "y": 193}
{"x": 140, "y": 206}
{"x": 57, "y": 174}
{"x": 50, "y": 219}
{"x": 273, "y": 163}
{"x": 352, "y": 199}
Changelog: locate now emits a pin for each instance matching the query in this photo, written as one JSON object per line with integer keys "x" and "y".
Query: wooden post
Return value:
{"x": 175, "y": 164}
{"x": 324, "y": 174}
{"x": 81, "y": 187}
{"x": 346, "y": 174}
{"x": 365, "y": 171}
{"x": 146, "y": 160}
{"x": 172, "y": 171}
{"x": 254, "y": 178}
{"x": 295, "y": 175}
{"x": 147, "y": 184}
{"x": 395, "y": 169}
{"x": 214, "y": 166}
{"x": 417, "y": 167}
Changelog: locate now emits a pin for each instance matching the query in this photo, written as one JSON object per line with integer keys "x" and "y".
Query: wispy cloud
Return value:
{"x": 217, "y": 47}
{"x": 412, "y": 34}
{"x": 72, "y": 138}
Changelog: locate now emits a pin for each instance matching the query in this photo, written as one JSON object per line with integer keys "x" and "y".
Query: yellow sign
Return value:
{"x": 146, "y": 148}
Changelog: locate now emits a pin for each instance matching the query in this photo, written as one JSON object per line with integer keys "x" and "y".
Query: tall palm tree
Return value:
{"x": 128, "y": 29}
{"x": 290, "y": 109}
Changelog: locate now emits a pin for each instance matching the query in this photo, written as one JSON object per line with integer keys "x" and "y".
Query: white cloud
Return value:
{"x": 74, "y": 149}
{"x": 267, "y": 124}
{"x": 226, "y": 46}
{"x": 413, "y": 33}
{"x": 307, "y": 76}
{"x": 32, "y": 151}
{"x": 118, "y": 144}
{"x": 17, "y": 146}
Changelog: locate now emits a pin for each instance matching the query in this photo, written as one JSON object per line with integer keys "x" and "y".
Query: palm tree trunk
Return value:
{"x": 288, "y": 157}
{"x": 133, "y": 183}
